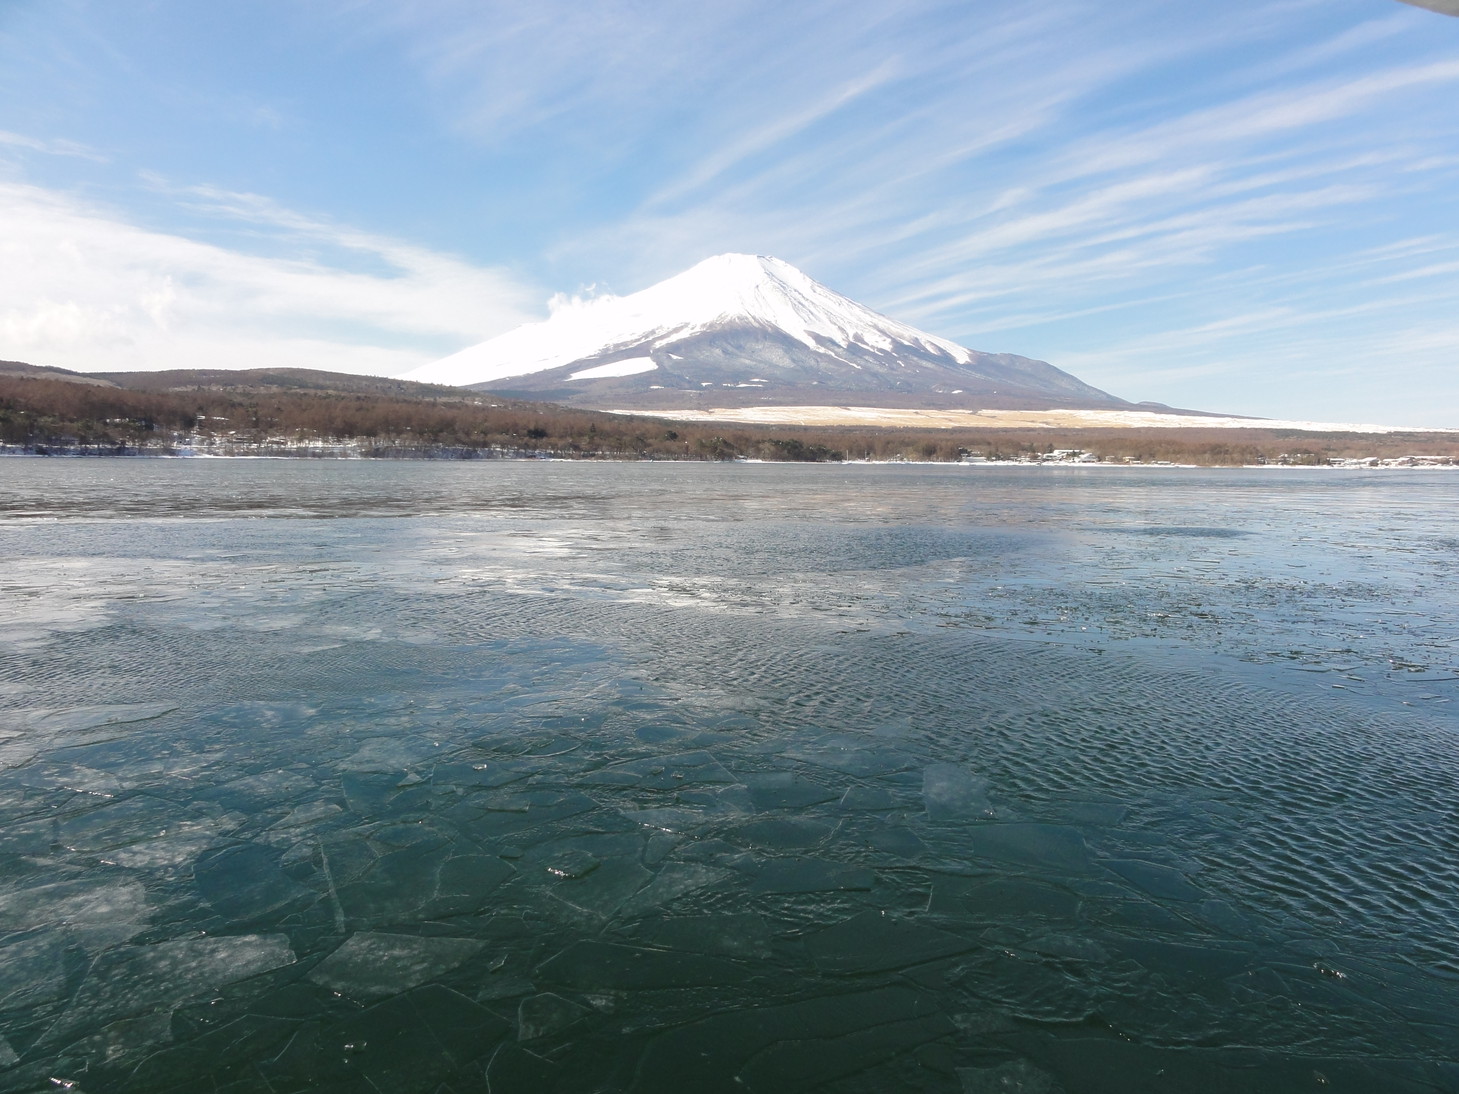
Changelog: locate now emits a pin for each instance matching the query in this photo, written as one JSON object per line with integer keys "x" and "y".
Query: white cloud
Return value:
{"x": 773, "y": 133}
{"x": 85, "y": 289}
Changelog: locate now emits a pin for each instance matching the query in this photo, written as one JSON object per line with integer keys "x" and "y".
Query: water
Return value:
{"x": 569, "y": 777}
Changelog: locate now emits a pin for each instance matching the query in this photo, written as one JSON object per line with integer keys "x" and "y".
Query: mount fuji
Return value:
{"x": 744, "y": 330}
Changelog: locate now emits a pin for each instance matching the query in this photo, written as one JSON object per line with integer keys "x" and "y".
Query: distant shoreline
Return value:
{"x": 1399, "y": 464}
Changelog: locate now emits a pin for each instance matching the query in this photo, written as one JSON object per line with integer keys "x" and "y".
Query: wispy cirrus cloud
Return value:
{"x": 1067, "y": 220}
{"x": 51, "y": 147}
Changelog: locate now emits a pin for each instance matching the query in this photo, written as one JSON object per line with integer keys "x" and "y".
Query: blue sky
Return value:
{"x": 1250, "y": 206}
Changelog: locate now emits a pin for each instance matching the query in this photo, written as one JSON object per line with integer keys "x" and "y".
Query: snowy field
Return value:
{"x": 1006, "y": 419}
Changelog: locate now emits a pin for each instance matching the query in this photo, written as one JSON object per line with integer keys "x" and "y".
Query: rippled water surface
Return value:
{"x": 357, "y": 776}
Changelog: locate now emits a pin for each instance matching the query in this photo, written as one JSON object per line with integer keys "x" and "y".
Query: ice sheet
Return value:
{"x": 601, "y": 777}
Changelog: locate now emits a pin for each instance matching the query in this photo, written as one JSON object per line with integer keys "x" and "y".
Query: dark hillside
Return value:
{"x": 50, "y": 372}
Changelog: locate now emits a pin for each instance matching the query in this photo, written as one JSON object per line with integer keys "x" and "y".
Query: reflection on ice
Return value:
{"x": 131, "y": 980}
{"x": 541, "y": 1015}
{"x": 950, "y": 792}
{"x": 373, "y": 965}
{"x": 32, "y": 971}
{"x": 93, "y": 913}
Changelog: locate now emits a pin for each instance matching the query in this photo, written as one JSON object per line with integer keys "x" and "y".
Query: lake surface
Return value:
{"x": 358, "y": 776}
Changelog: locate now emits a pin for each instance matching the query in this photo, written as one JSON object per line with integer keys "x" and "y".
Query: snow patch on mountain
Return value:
{"x": 629, "y": 366}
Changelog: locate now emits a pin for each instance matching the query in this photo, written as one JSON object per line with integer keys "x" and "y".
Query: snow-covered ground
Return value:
{"x": 630, "y": 366}
{"x": 1007, "y": 419}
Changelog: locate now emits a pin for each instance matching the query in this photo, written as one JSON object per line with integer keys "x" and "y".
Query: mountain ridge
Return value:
{"x": 748, "y": 330}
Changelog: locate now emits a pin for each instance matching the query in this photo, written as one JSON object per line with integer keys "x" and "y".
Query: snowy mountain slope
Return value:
{"x": 742, "y": 329}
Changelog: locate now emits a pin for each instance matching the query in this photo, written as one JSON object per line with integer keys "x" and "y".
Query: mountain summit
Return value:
{"x": 741, "y": 330}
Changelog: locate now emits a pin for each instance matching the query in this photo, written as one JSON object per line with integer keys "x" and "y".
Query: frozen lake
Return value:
{"x": 399, "y": 777}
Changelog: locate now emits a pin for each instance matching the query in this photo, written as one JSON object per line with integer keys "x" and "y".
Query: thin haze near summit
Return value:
{"x": 1250, "y": 207}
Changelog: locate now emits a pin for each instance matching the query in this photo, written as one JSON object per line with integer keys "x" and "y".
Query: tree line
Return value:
{"x": 38, "y": 413}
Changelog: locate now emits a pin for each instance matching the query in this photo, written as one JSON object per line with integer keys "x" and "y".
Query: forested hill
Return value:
{"x": 299, "y": 409}
{"x": 308, "y": 412}
{"x": 276, "y": 379}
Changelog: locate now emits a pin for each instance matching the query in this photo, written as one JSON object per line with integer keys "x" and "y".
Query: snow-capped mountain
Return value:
{"x": 740, "y": 330}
